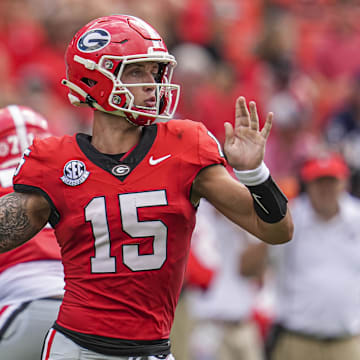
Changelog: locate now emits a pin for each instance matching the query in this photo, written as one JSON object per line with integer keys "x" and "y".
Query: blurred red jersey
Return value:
{"x": 123, "y": 223}
{"x": 42, "y": 247}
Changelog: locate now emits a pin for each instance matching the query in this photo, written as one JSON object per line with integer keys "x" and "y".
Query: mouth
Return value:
{"x": 150, "y": 102}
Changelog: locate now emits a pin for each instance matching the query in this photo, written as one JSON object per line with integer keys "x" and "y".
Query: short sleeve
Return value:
{"x": 210, "y": 151}
{"x": 32, "y": 175}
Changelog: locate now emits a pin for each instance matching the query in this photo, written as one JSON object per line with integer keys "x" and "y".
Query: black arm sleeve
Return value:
{"x": 269, "y": 201}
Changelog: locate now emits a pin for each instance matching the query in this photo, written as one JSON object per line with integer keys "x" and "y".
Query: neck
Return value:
{"x": 327, "y": 213}
{"x": 113, "y": 134}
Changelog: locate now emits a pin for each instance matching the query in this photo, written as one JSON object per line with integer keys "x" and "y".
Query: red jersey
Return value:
{"x": 42, "y": 247}
{"x": 124, "y": 225}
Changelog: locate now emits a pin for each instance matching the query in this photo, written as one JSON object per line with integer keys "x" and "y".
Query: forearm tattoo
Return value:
{"x": 15, "y": 226}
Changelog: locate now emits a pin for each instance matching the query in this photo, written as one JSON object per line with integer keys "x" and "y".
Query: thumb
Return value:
{"x": 229, "y": 132}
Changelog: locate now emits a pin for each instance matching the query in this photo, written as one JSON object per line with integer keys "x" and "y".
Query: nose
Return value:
{"x": 150, "y": 80}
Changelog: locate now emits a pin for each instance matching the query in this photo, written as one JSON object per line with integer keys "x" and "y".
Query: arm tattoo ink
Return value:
{"x": 15, "y": 225}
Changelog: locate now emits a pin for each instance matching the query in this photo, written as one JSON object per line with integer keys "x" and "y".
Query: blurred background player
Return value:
{"x": 31, "y": 276}
{"x": 222, "y": 313}
{"x": 317, "y": 312}
{"x": 202, "y": 266}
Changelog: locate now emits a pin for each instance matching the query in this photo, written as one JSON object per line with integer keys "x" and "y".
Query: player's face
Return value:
{"x": 324, "y": 194}
{"x": 137, "y": 73}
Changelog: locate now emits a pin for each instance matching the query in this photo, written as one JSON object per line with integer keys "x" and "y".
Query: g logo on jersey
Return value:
{"x": 120, "y": 170}
{"x": 93, "y": 40}
{"x": 75, "y": 173}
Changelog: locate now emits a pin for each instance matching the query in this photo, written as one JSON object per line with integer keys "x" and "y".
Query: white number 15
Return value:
{"x": 95, "y": 212}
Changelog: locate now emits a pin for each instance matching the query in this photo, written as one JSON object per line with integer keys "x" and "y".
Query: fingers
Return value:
{"x": 242, "y": 116}
{"x": 254, "y": 118}
{"x": 267, "y": 126}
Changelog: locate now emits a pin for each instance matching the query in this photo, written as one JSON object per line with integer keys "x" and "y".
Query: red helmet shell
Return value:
{"x": 19, "y": 125}
{"x": 94, "y": 57}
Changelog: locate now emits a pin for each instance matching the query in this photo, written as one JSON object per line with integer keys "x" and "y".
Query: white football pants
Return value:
{"x": 23, "y": 328}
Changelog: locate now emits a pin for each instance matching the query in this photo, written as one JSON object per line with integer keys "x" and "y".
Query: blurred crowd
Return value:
{"x": 299, "y": 59}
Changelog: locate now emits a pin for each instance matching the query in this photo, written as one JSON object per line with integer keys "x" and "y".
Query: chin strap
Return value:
{"x": 89, "y": 101}
{"x": 74, "y": 99}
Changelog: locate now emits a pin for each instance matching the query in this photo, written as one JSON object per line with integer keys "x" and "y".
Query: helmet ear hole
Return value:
{"x": 89, "y": 82}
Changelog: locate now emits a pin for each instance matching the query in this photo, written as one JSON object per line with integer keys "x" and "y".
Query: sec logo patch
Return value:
{"x": 75, "y": 173}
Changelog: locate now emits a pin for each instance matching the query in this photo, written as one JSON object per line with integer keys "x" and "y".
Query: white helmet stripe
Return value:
{"x": 20, "y": 126}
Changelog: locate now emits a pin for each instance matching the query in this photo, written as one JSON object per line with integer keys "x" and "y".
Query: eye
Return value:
{"x": 136, "y": 72}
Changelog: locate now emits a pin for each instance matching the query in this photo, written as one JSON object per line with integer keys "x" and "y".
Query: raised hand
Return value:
{"x": 244, "y": 145}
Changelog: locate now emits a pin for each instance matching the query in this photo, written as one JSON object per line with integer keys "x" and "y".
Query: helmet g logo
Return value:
{"x": 93, "y": 40}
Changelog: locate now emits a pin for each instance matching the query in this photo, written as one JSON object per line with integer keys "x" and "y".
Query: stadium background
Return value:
{"x": 299, "y": 59}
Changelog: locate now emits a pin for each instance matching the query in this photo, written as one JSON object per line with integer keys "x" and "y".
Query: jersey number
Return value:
{"x": 95, "y": 212}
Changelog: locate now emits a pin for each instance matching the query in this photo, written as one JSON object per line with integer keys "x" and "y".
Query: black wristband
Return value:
{"x": 269, "y": 201}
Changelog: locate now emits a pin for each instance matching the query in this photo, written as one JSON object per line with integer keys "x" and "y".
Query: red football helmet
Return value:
{"x": 19, "y": 125}
{"x": 97, "y": 56}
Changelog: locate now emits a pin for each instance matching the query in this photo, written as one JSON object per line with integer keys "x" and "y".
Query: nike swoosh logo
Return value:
{"x": 257, "y": 199}
{"x": 153, "y": 161}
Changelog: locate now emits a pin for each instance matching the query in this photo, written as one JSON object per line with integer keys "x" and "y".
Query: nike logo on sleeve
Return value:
{"x": 257, "y": 199}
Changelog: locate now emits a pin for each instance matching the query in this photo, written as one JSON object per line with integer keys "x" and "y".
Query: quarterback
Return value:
{"x": 123, "y": 200}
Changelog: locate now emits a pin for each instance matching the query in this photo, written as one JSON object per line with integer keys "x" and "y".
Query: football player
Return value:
{"x": 123, "y": 199}
{"x": 31, "y": 276}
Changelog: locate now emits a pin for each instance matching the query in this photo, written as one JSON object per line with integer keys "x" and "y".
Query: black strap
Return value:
{"x": 117, "y": 347}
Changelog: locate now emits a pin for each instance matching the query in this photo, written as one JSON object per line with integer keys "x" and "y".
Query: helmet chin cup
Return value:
{"x": 97, "y": 56}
